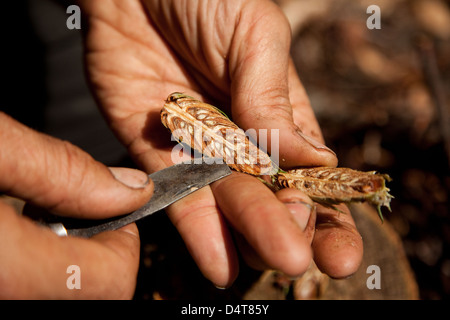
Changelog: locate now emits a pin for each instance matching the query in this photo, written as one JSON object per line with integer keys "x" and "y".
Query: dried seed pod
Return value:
{"x": 209, "y": 131}
{"x": 331, "y": 186}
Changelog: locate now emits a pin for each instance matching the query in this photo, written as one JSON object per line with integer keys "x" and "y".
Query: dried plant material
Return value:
{"x": 208, "y": 130}
{"x": 330, "y": 186}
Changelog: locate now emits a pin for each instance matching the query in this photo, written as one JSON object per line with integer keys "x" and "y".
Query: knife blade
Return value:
{"x": 170, "y": 185}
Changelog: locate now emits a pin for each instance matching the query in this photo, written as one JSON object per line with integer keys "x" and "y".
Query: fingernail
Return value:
{"x": 220, "y": 288}
{"x": 301, "y": 212}
{"x": 313, "y": 142}
{"x": 132, "y": 178}
{"x": 132, "y": 230}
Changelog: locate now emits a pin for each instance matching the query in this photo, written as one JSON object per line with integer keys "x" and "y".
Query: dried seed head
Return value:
{"x": 209, "y": 131}
{"x": 331, "y": 186}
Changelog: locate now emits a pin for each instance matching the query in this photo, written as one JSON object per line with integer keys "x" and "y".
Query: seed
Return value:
{"x": 221, "y": 137}
{"x": 205, "y": 118}
{"x": 338, "y": 185}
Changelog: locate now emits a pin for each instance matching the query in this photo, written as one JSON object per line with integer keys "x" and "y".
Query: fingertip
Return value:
{"x": 338, "y": 249}
{"x": 221, "y": 266}
{"x": 285, "y": 248}
{"x": 314, "y": 153}
{"x": 294, "y": 261}
{"x": 114, "y": 192}
{"x": 344, "y": 261}
{"x": 298, "y": 261}
{"x": 132, "y": 178}
{"x": 132, "y": 230}
{"x": 139, "y": 185}
{"x": 223, "y": 279}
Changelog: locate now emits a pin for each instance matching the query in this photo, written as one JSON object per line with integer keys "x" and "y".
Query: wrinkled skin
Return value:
{"x": 61, "y": 178}
{"x": 233, "y": 54}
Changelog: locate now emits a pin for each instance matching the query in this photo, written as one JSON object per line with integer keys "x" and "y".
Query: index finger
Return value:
{"x": 265, "y": 222}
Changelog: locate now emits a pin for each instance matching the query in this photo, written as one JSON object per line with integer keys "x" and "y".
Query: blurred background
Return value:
{"x": 381, "y": 96}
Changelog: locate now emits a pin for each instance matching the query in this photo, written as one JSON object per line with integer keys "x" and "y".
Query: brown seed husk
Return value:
{"x": 209, "y": 131}
{"x": 331, "y": 186}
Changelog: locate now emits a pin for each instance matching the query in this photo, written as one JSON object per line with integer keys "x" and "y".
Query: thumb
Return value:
{"x": 64, "y": 179}
{"x": 265, "y": 90}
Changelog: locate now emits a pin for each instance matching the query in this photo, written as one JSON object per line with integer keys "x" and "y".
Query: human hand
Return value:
{"x": 60, "y": 177}
{"x": 231, "y": 53}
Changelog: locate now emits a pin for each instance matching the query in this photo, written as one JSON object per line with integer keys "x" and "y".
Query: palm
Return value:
{"x": 135, "y": 61}
{"x": 126, "y": 70}
{"x": 135, "y": 66}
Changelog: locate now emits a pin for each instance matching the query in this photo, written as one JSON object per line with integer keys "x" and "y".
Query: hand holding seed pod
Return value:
{"x": 209, "y": 131}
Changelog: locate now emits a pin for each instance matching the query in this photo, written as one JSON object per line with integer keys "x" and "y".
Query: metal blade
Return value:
{"x": 170, "y": 185}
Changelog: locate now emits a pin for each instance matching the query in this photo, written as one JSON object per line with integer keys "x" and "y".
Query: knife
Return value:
{"x": 170, "y": 185}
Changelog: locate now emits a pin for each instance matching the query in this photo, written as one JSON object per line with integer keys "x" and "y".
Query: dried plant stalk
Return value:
{"x": 330, "y": 186}
{"x": 209, "y": 131}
